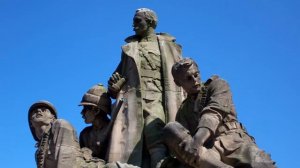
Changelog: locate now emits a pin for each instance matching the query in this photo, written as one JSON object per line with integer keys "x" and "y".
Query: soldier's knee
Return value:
{"x": 174, "y": 130}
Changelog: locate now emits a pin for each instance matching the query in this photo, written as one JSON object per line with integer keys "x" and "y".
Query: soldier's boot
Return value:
{"x": 257, "y": 158}
{"x": 175, "y": 133}
{"x": 157, "y": 154}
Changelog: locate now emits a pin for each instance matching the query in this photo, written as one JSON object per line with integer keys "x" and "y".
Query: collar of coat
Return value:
{"x": 163, "y": 36}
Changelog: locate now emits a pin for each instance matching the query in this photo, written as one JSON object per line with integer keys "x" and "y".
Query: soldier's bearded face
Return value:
{"x": 190, "y": 80}
{"x": 140, "y": 25}
{"x": 88, "y": 114}
{"x": 41, "y": 116}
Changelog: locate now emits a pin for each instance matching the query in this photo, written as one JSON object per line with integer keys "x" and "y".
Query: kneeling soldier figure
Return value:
{"x": 207, "y": 133}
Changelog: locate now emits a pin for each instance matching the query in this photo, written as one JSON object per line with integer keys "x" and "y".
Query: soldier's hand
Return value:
{"x": 115, "y": 83}
{"x": 190, "y": 153}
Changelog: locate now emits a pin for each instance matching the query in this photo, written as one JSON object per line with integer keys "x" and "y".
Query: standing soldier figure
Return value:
{"x": 207, "y": 132}
{"x": 144, "y": 81}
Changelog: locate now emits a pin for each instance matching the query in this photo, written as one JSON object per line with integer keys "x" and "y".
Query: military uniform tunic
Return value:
{"x": 95, "y": 140}
{"x": 151, "y": 86}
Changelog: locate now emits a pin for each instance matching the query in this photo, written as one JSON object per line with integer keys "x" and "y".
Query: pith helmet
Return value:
{"x": 42, "y": 103}
{"x": 97, "y": 96}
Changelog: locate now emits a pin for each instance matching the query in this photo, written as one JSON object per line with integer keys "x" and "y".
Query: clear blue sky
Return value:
{"x": 56, "y": 50}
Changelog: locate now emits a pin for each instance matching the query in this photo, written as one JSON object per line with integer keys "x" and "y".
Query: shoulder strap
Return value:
{"x": 201, "y": 100}
{"x": 41, "y": 154}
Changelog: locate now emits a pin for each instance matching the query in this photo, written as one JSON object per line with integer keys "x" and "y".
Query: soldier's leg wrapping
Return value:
{"x": 254, "y": 157}
{"x": 175, "y": 133}
{"x": 153, "y": 130}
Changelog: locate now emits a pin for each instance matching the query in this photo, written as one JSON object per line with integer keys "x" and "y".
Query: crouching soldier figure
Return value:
{"x": 96, "y": 108}
{"x": 57, "y": 143}
{"x": 207, "y": 133}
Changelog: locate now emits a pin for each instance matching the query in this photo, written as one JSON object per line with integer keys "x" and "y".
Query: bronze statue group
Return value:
{"x": 164, "y": 115}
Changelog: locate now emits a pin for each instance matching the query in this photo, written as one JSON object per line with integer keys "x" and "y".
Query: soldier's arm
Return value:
{"x": 82, "y": 137}
{"x": 219, "y": 102}
{"x": 219, "y": 98}
{"x": 66, "y": 144}
{"x": 207, "y": 125}
{"x": 117, "y": 79}
{"x": 193, "y": 147}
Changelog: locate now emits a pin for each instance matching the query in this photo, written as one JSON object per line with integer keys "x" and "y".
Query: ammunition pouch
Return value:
{"x": 230, "y": 126}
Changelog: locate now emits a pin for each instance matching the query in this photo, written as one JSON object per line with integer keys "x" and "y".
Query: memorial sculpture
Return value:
{"x": 152, "y": 123}
{"x": 207, "y": 132}
{"x": 143, "y": 80}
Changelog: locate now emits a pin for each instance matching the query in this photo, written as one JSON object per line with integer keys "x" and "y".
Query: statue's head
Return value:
{"x": 186, "y": 74}
{"x": 95, "y": 101}
{"x": 39, "y": 114}
{"x": 144, "y": 19}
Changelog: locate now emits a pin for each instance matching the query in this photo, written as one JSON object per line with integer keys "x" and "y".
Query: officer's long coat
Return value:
{"x": 126, "y": 142}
